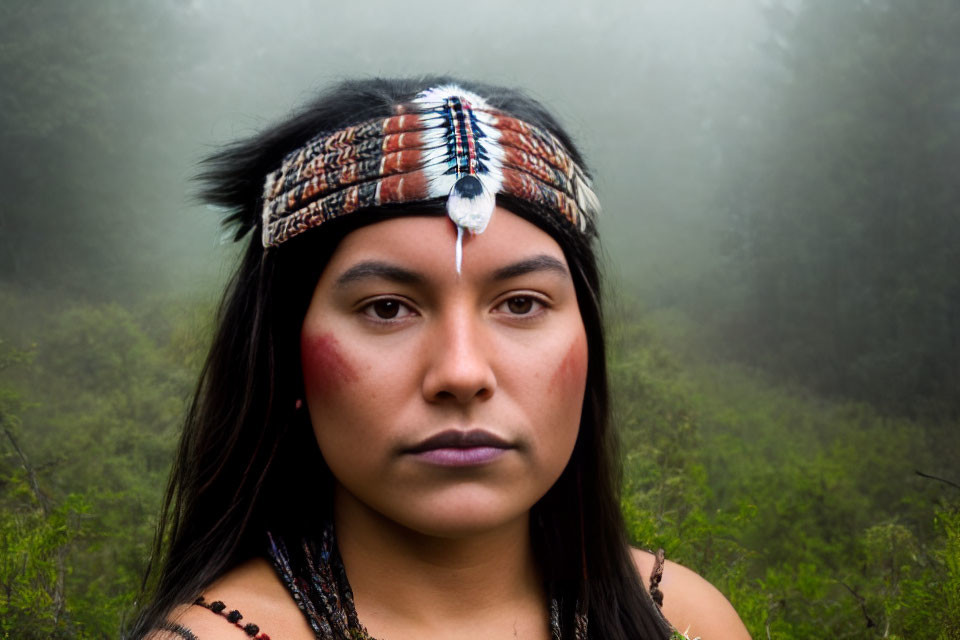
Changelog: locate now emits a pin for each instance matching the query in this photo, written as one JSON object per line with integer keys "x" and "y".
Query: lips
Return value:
{"x": 453, "y": 439}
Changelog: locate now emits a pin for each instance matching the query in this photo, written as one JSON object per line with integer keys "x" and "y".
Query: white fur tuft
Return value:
{"x": 473, "y": 213}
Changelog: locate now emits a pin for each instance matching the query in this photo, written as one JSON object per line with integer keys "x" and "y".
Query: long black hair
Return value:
{"x": 245, "y": 451}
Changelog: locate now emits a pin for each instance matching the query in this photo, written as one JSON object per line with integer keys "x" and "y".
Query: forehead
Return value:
{"x": 429, "y": 243}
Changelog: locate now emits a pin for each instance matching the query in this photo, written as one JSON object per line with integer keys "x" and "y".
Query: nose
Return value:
{"x": 459, "y": 360}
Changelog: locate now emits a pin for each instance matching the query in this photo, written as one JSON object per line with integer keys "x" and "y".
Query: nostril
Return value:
{"x": 482, "y": 393}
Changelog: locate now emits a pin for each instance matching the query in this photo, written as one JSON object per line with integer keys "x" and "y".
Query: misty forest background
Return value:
{"x": 781, "y": 184}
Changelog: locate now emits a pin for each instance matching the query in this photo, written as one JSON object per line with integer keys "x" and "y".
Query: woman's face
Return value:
{"x": 448, "y": 403}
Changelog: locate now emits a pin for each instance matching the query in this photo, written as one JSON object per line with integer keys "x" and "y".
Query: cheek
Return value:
{"x": 559, "y": 408}
{"x": 570, "y": 376}
{"x": 562, "y": 403}
{"x": 325, "y": 369}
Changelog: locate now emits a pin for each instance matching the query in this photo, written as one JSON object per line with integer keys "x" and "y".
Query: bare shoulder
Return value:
{"x": 690, "y": 603}
{"x": 254, "y": 590}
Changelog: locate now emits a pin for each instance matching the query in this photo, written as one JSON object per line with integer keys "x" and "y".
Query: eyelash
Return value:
{"x": 538, "y": 304}
{"x": 368, "y": 310}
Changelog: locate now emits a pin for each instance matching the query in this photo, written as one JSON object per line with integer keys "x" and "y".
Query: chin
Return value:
{"x": 448, "y": 512}
{"x": 460, "y": 528}
{"x": 458, "y": 519}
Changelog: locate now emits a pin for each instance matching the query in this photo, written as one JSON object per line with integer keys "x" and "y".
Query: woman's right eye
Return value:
{"x": 387, "y": 309}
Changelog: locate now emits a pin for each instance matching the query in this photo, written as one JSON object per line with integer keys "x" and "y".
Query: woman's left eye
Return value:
{"x": 521, "y": 305}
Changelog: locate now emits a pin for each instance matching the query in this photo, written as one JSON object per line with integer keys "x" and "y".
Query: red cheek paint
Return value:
{"x": 324, "y": 366}
{"x": 572, "y": 371}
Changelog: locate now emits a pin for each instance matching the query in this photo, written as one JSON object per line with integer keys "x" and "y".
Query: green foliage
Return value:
{"x": 931, "y": 599}
{"x": 34, "y": 545}
{"x": 89, "y": 415}
{"x": 807, "y": 514}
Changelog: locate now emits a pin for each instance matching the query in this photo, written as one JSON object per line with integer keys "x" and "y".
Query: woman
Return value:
{"x": 402, "y": 428}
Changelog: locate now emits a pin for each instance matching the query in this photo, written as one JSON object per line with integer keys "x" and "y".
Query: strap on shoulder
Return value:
{"x": 234, "y": 617}
{"x": 655, "y": 576}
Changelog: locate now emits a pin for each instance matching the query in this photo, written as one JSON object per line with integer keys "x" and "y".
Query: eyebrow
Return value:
{"x": 376, "y": 269}
{"x": 384, "y": 270}
{"x": 542, "y": 262}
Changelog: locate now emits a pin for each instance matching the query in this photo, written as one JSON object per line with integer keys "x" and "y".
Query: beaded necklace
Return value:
{"x": 314, "y": 575}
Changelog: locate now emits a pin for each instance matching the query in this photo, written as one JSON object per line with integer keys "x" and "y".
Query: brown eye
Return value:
{"x": 520, "y": 306}
{"x": 386, "y": 309}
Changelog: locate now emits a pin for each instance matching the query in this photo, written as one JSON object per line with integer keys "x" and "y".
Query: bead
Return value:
{"x": 217, "y": 607}
{"x": 234, "y": 616}
{"x": 251, "y": 629}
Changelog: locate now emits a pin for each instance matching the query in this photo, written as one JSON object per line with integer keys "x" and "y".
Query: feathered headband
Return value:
{"x": 447, "y": 143}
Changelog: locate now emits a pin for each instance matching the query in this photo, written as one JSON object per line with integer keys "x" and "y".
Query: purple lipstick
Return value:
{"x": 461, "y": 448}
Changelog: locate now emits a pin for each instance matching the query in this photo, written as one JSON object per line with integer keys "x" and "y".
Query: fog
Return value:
{"x": 128, "y": 98}
{"x": 746, "y": 152}
{"x": 780, "y": 236}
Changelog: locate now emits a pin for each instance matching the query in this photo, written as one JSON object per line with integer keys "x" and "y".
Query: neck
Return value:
{"x": 407, "y": 580}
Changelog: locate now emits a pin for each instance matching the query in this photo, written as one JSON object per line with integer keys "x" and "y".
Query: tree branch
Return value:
{"x": 25, "y": 463}
{"x": 58, "y": 590}
{"x": 863, "y": 604}
{"x": 927, "y": 475}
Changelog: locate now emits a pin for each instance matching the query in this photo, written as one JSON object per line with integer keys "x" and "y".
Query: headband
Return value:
{"x": 446, "y": 143}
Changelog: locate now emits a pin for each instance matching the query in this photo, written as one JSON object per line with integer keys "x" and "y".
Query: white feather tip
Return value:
{"x": 470, "y": 204}
{"x": 437, "y": 95}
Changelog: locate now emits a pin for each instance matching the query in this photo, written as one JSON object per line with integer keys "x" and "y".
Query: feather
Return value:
{"x": 470, "y": 204}
{"x": 436, "y": 96}
{"x": 461, "y": 158}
